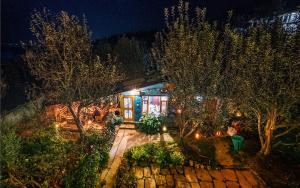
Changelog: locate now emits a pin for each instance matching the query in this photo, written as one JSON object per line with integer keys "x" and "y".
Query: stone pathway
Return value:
{"x": 192, "y": 177}
{"x": 125, "y": 139}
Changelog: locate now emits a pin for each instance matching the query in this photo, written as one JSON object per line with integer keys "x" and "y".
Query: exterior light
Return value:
{"x": 56, "y": 126}
{"x": 238, "y": 114}
{"x": 197, "y": 136}
{"x": 111, "y": 103}
{"x": 179, "y": 111}
{"x": 218, "y": 133}
{"x": 89, "y": 122}
{"x": 135, "y": 92}
{"x": 164, "y": 128}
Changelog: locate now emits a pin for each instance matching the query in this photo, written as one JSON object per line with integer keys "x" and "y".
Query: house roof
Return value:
{"x": 136, "y": 83}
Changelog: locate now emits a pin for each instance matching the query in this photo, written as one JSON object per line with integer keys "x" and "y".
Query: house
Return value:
{"x": 140, "y": 97}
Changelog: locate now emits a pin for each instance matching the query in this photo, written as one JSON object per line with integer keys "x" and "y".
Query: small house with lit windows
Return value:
{"x": 139, "y": 97}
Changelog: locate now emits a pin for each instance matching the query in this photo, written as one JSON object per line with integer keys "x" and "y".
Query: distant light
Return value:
{"x": 89, "y": 122}
{"x": 164, "y": 128}
{"x": 197, "y": 136}
{"x": 179, "y": 111}
{"x": 56, "y": 125}
{"x": 135, "y": 92}
{"x": 198, "y": 98}
{"x": 111, "y": 103}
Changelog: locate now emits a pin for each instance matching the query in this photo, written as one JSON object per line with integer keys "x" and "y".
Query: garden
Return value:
{"x": 233, "y": 107}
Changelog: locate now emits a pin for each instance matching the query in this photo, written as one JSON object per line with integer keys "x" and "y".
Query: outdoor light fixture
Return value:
{"x": 135, "y": 92}
{"x": 89, "y": 122}
{"x": 56, "y": 125}
{"x": 111, "y": 103}
{"x": 197, "y": 136}
{"x": 238, "y": 114}
{"x": 179, "y": 111}
{"x": 164, "y": 128}
{"x": 218, "y": 133}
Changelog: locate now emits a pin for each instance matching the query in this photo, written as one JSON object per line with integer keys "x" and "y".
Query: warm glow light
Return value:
{"x": 56, "y": 125}
{"x": 238, "y": 114}
{"x": 135, "y": 92}
{"x": 89, "y": 122}
{"x": 197, "y": 135}
{"x": 111, "y": 103}
{"x": 164, "y": 128}
{"x": 179, "y": 111}
{"x": 218, "y": 133}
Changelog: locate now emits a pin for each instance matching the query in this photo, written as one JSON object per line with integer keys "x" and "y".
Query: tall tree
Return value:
{"x": 263, "y": 77}
{"x": 187, "y": 54}
{"x": 130, "y": 54}
{"x": 61, "y": 59}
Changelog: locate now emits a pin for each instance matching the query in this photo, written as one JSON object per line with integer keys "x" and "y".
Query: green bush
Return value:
{"x": 86, "y": 173}
{"x": 97, "y": 141}
{"x": 10, "y": 144}
{"x": 163, "y": 154}
{"x": 150, "y": 124}
{"x": 125, "y": 177}
{"x": 46, "y": 154}
{"x": 177, "y": 158}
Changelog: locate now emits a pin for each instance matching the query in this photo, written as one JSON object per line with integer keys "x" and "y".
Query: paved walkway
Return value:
{"x": 196, "y": 177}
{"x": 125, "y": 139}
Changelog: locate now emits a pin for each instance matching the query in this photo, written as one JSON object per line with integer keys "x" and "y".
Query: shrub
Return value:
{"x": 85, "y": 175}
{"x": 150, "y": 124}
{"x": 45, "y": 154}
{"x": 10, "y": 148}
{"x": 97, "y": 141}
{"x": 125, "y": 177}
{"x": 177, "y": 158}
{"x": 160, "y": 153}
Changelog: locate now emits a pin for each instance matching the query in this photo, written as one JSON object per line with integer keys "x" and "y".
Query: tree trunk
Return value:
{"x": 260, "y": 134}
{"x": 77, "y": 120}
{"x": 270, "y": 126}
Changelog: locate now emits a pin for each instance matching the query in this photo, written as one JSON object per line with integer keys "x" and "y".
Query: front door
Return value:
{"x": 128, "y": 109}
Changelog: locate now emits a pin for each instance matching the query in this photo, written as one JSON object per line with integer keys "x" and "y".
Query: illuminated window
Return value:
{"x": 128, "y": 114}
{"x": 164, "y": 107}
{"x": 145, "y": 104}
{"x": 156, "y": 105}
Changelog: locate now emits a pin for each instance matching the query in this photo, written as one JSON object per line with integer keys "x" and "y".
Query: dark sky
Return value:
{"x": 108, "y": 17}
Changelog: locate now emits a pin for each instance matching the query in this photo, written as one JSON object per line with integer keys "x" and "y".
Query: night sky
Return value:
{"x": 109, "y": 17}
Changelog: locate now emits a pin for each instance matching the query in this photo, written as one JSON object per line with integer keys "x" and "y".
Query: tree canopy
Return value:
{"x": 61, "y": 60}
